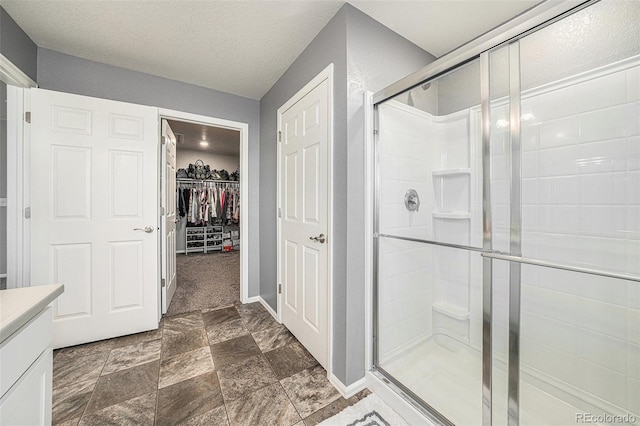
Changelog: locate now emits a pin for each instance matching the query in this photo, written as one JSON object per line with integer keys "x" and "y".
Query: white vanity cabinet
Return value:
{"x": 26, "y": 357}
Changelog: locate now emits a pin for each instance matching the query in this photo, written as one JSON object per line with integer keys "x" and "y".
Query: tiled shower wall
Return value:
{"x": 405, "y": 296}
{"x": 580, "y": 206}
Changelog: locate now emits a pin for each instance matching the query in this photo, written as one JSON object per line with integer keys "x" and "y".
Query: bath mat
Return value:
{"x": 370, "y": 411}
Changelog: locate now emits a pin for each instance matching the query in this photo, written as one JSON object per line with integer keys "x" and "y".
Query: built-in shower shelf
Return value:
{"x": 451, "y": 311}
{"x": 451, "y": 172}
{"x": 451, "y": 215}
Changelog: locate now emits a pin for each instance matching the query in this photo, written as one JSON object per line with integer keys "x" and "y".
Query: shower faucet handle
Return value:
{"x": 412, "y": 200}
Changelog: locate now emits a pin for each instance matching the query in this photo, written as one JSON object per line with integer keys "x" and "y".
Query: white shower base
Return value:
{"x": 449, "y": 379}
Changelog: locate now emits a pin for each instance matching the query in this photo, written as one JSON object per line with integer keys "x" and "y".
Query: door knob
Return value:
{"x": 147, "y": 229}
{"x": 320, "y": 238}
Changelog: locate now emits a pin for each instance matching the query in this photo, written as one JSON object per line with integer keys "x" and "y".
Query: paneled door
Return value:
{"x": 168, "y": 208}
{"x": 303, "y": 256}
{"x": 94, "y": 214}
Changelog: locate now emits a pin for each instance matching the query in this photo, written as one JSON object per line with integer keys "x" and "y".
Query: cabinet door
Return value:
{"x": 28, "y": 402}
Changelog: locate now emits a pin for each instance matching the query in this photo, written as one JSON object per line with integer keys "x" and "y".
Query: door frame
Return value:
{"x": 325, "y": 74}
{"x": 18, "y": 170}
{"x": 243, "y": 128}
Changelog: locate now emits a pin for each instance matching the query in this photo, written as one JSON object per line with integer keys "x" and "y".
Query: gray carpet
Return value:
{"x": 206, "y": 281}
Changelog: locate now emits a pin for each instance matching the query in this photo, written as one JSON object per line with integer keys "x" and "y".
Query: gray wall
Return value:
{"x": 376, "y": 57}
{"x": 64, "y": 73}
{"x": 16, "y": 45}
{"x": 366, "y": 56}
{"x": 328, "y": 47}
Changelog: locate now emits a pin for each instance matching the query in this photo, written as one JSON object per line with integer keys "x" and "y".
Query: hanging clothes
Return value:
{"x": 208, "y": 202}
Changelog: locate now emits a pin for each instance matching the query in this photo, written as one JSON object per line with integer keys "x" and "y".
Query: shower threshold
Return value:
{"x": 448, "y": 378}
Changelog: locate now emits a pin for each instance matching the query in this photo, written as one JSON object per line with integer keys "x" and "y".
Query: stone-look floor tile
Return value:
{"x": 69, "y": 370}
{"x": 185, "y": 366}
{"x": 234, "y": 350}
{"x": 273, "y": 338}
{"x": 250, "y": 309}
{"x": 217, "y": 316}
{"x": 259, "y": 322}
{"x": 334, "y": 408}
{"x": 268, "y": 406}
{"x": 93, "y": 348}
{"x": 289, "y": 360}
{"x": 176, "y": 343}
{"x": 227, "y": 330}
{"x": 72, "y": 422}
{"x": 131, "y": 356}
{"x": 187, "y": 399}
{"x": 64, "y": 392}
{"x": 182, "y": 322}
{"x": 70, "y": 408}
{"x": 120, "y": 386}
{"x": 139, "y": 411}
{"x": 310, "y": 390}
{"x": 217, "y": 417}
{"x": 133, "y": 339}
{"x": 240, "y": 379}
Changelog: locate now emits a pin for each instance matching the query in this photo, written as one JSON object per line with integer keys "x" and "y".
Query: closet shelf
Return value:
{"x": 451, "y": 311}
{"x": 450, "y": 172}
{"x": 451, "y": 215}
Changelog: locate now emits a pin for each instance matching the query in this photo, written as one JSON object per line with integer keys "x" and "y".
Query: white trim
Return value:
{"x": 348, "y": 391}
{"x": 244, "y": 183}
{"x": 259, "y": 299}
{"x": 12, "y": 75}
{"x": 325, "y": 74}
{"x": 17, "y": 264}
{"x": 368, "y": 229}
{"x": 396, "y": 401}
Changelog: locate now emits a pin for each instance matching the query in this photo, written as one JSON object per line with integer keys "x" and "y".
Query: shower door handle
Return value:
{"x": 320, "y": 238}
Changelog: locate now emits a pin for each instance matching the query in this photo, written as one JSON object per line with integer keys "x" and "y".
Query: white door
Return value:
{"x": 94, "y": 214}
{"x": 303, "y": 256}
{"x": 168, "y": 208}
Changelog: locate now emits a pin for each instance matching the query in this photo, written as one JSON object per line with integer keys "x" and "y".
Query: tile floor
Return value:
{"x": 229, "y": 366}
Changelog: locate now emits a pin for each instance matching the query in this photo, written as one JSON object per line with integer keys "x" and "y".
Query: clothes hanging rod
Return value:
{"x": 185, "y": 180}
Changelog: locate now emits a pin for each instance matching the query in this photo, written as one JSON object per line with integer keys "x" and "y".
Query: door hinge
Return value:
{"x": 163, "y": 282}
{"x": 279, "y": 136}
{"x": 27, "y": 116}
{"x": 27, "y": 213}
{"x": 279, "y": 212}
{"x": 279, "y": 288}
{"x": 164, "y": 140}
{"x": 162, "y": 211}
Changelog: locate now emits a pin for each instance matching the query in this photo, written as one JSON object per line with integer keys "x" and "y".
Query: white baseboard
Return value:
{"x": 348, "y": 391}
{"x": 254, "y": 299}
{"x": 268, "y": 308}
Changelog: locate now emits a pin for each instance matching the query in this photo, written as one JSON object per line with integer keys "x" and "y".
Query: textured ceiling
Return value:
{"x": 439, "y": 26}
{"x": 239, "y": 47}
{"x": 219, "y": 139}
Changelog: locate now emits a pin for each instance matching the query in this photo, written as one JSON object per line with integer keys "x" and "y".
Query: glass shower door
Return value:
{"x": 429, "y": 268}
{"x": 580, "y": 331}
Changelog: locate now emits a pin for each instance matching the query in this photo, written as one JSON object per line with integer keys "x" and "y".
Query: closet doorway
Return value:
{"x": 208, "y": 233}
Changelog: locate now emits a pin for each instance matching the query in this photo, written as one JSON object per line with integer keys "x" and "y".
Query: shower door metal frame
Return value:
{"x": 507, "y": 35}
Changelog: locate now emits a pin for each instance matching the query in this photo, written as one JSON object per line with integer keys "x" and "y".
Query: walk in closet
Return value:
{"x": 207, "y": 217}
{"x": 211, "y": 210}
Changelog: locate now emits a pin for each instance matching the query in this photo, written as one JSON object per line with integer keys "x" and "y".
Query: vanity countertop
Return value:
{"x": 19, "y": 305}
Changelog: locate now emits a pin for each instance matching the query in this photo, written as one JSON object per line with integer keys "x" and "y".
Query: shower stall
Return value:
{"x": 506, "y": 240}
